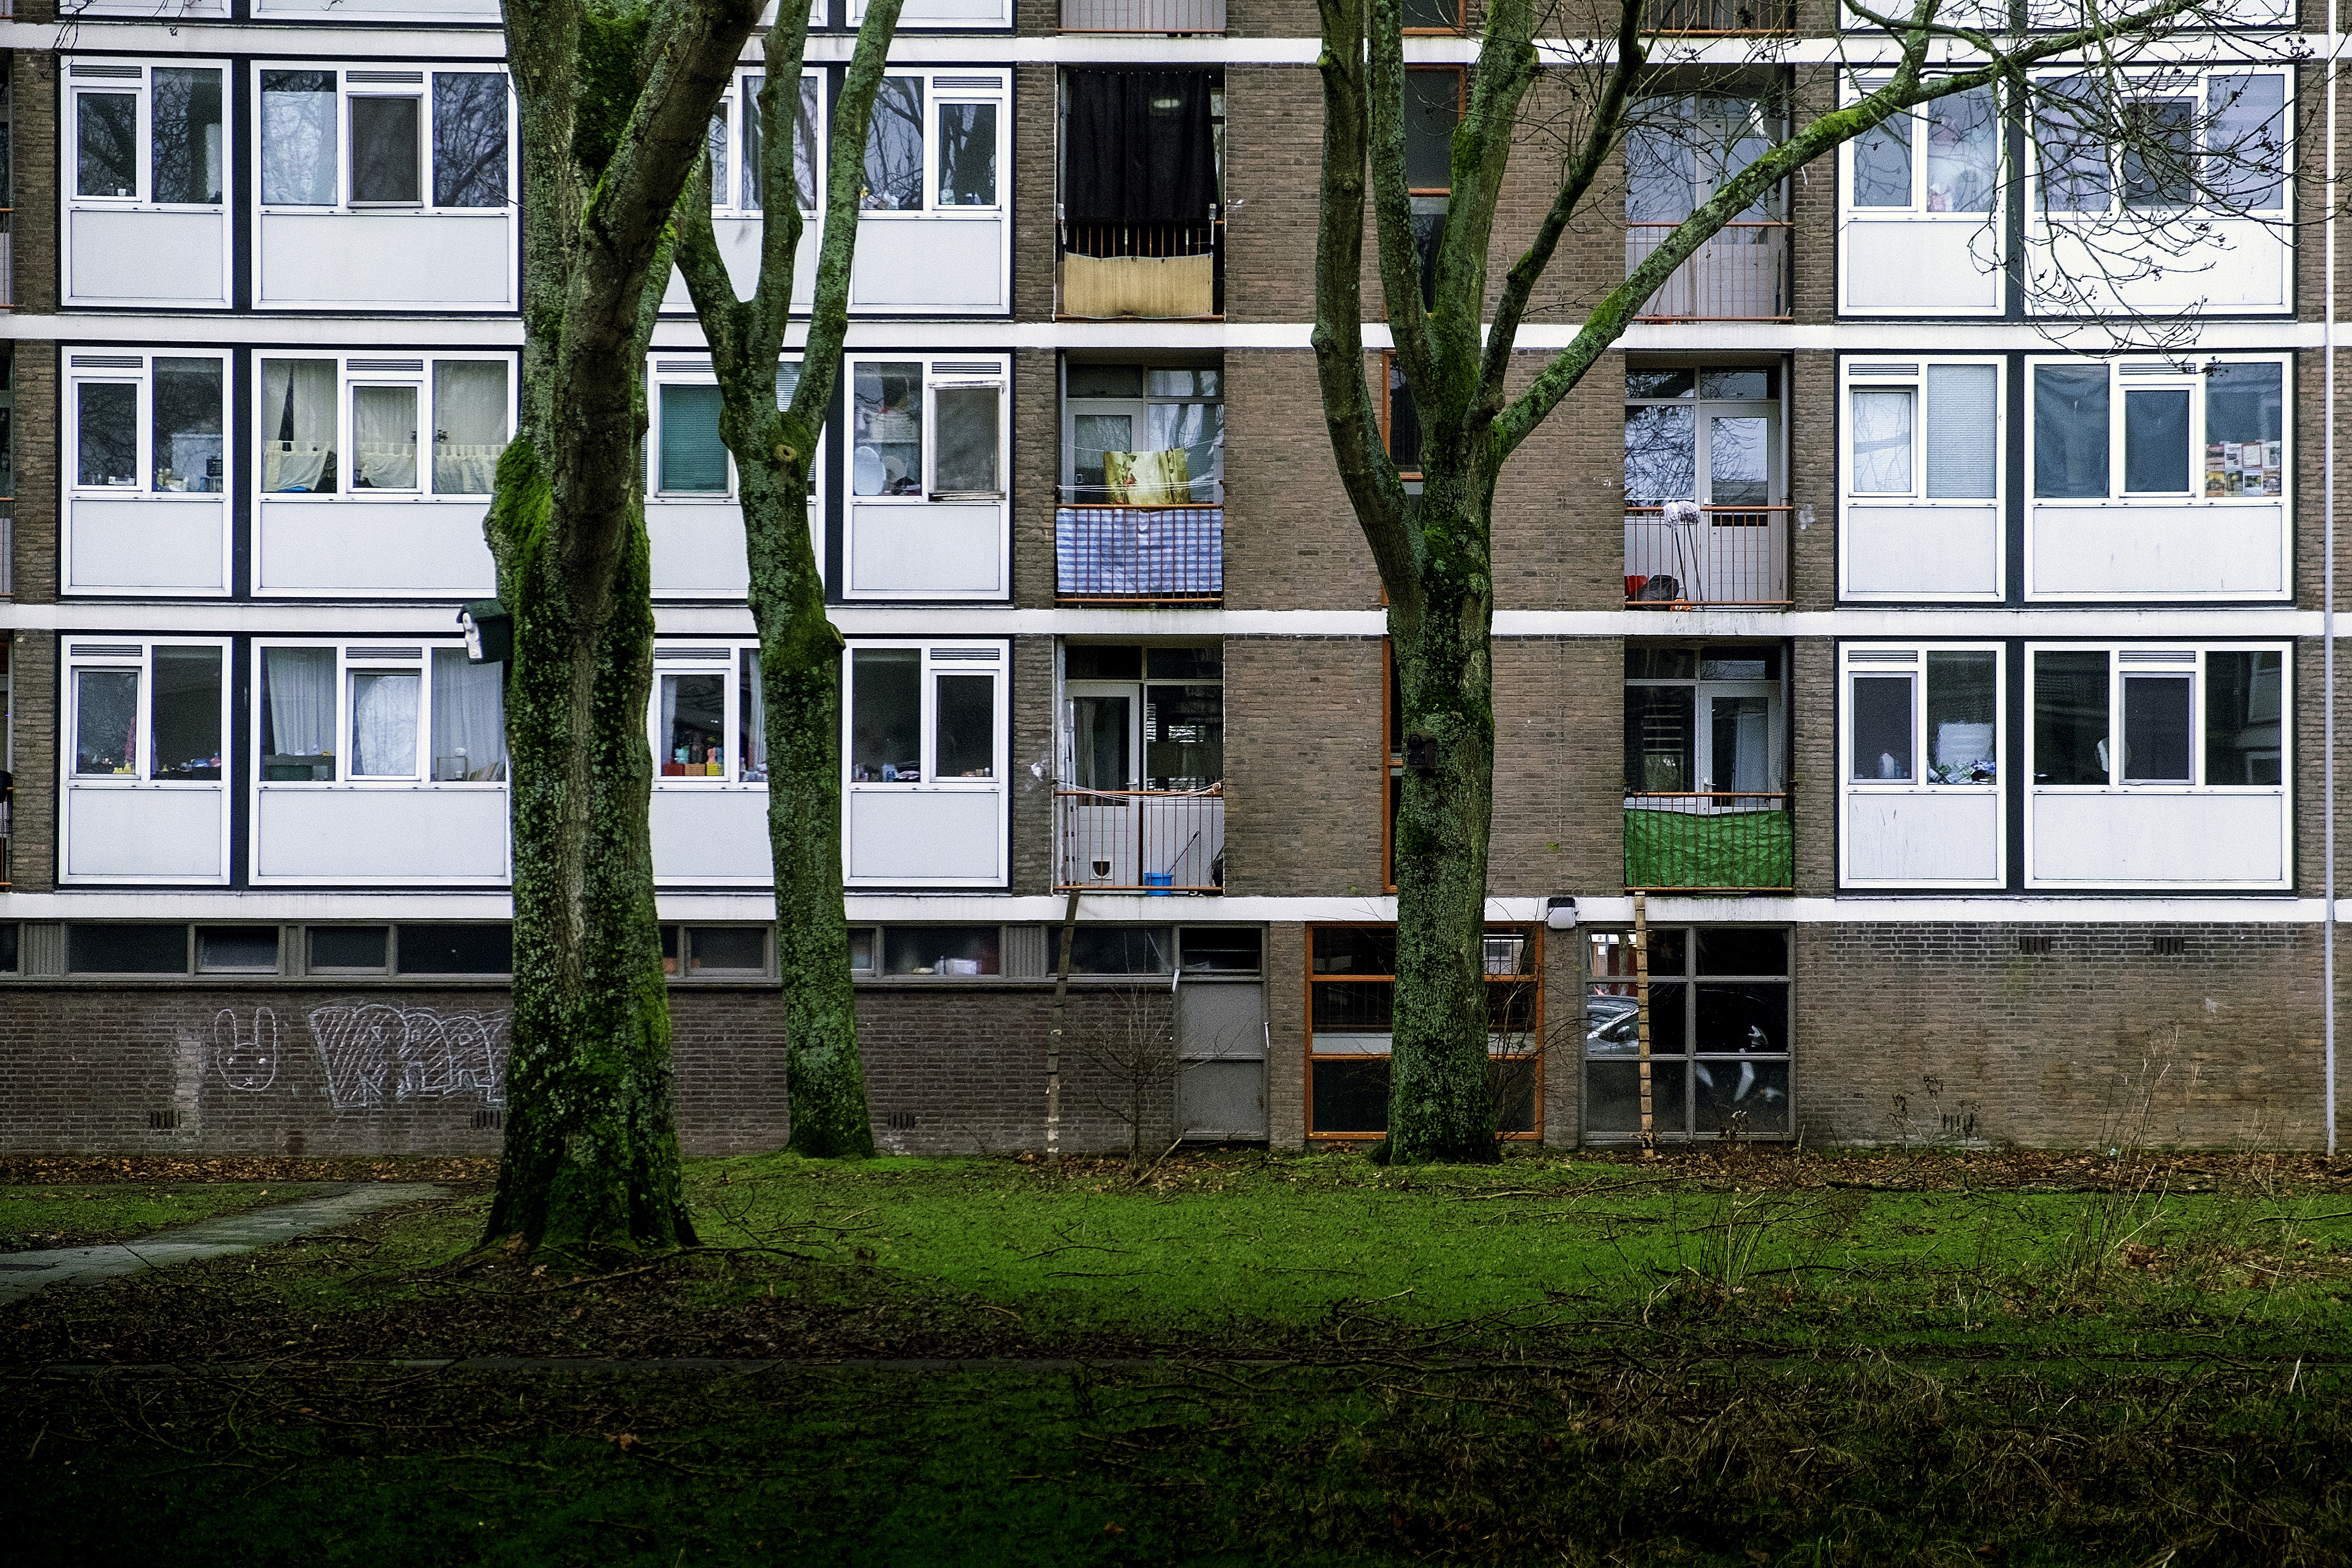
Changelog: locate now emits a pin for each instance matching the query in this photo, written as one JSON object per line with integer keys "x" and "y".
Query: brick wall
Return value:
{"x": 1812, "y": 478}
{"x": 1035, "y": 109}
{"x": 1291, "y": 541}
{"x": 1929, "y": 1031}
{"x": 33, "y": 823}
{"x": 1304, "y": 781}
{"x": 33, "y": 140}
{"x": 1558, "y": 823}
{"x": 35, "y": 512}
{"x": 1286, "y": 1023}
{"x": 1031, "y": 765}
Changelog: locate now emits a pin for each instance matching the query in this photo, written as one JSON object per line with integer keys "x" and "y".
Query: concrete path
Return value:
{"x": 23, "y": 1273}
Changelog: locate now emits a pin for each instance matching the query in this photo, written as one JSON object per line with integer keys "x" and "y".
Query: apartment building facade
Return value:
{"x": 1940, "y": 673}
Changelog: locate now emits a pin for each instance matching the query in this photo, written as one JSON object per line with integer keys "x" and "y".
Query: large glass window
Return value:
{"x": 380, "y": 715}
{"x": 1351, "y": 991}
{"x": 2146, "y": 422}
{"x": 152, "y": 424}
{"x": 925, "y": 715}
{"x": 2181, "y": 711}
{"x": 1931, "y": 431}
{"x": 807, "y": 116}
{"x": 152, "y": 713}
{"x": 970, "y": 418}
{"x": 1709, "y": 433}
{"x": 415, "y": 138}
{"x": 313, "y": 410}
{"x": 1931, "y": 718}
{"x": 2213, "y": 142}
{"x": 1138, "y": 434}
{"x": 893, "y": 147}
{"x": 469, "y": 424}
{"x": 1941, "y": 157}
{"x": 469, "y": 731}
{"x": 887, "y": 428}
{"x": 177, "y": 107}
{"x": 470, "y": 139}
{"x": 1717, "y": 1012}
{"x": 885, "y": 698}
{"x": 298, "y": 138}
{"x": 186, "y": 154}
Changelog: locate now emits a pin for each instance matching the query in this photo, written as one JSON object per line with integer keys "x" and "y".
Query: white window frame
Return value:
{"x": 140, "y": 657}
{"x": 2160, "y": 375}
{"x": 673, "y": 370}
{"x": 2181, "y": 81}
{"x": 1138, "y": 408}
{"x": 992, "y": 656}
{"x": 956, "y": 85}
{"x": 721, "y": 658}
{"x": 400, "y": 656}
{"x": 97, "y": 365}
{"x": 1884, "y": 659}
{"x": 356, "y": 370}
{"x": 138, "y": 81}
{"x": 740, "y": 90}
{"x": 964, "y": 22}
{"x": 939, "y": 369}
{"x": 1859, "y": 87}
{"x": 1880, "y": 373}
{"x": 2166, "y": 658}
{"x": 346, "y": 89}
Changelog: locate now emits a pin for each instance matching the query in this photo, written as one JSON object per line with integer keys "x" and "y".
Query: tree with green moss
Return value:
{"x": 800, "y": 651}
{"x": 615, "y": 99}
{"x": 1433, "y": 549}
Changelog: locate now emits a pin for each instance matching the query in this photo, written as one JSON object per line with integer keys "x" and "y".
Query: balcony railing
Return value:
{"x": 1140, "y": 271}
{"x": 1140, "y": 555}
{"x": 1708, "y": 843}
{"x": 7, "y": 241}
{"x": 1143, "y": 16}
{"x": 1718, "y": 17}
{"x": 1740, "y": 275}
{"x": 1728, "y": 555}
{"x": 1140, "y": 841}
{"x": 7, "y": 548}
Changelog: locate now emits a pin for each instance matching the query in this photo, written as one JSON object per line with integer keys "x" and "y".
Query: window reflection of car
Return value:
{"x": 1610, "y": 1027}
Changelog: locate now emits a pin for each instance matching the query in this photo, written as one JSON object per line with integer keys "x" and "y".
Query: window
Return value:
{"x": 1927, "y": 431}
{"x": 1706, "y": 748}
{"x": 927, "y": 430}
{"x": 352, "y": 950}
{"x": 1706, "y": 433}
{"x": 1136, "y": 435}
{"x": 1942, "y": 157}
{"x": 1680, "y": 151}
{"x": 2212, "y": 142}
{"x": 919, "y": 713}
{"x": 1720, "y": 1020}
{"x": 737, "y": 142}
{"x": 935, "y": 140}
{"x": 237, "y": 950}
{"x": 2119, "y": 718}
{"x": 126, "y": 950}
{"x": 1432, "y": 15}
{"x": 151, "y": 423}
{"x": 379, "y": 137}
{"x": 951, "y": 951}
{"x": 690, "y": 460}
{"x": 708, "y": 724}
{"x": 1400, "y": 420}
{"x": 1929, "y": 717}
{"x": 387, "y": 715}
{"x": 1150, "y": 718}
{"x": 2150, "y": 427}
{"x": 144, "y": 135}
{"x": 139, "y": 711}
{"x": 456, "y": 949}
{"x": 402, "y": 429}
{"x": 1352, "y": 987}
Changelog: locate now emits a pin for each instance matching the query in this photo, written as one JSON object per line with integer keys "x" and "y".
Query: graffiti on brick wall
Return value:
{"x": 375, "y": 1053}
{"x": 246, "y": 1055}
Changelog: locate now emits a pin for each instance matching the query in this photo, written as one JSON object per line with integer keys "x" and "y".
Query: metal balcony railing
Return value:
{"x": 1140, "y": 271}
{"x": 1143, "y": 16}
{"x": 1718, "y": 17}
{"x": 1708, "y": 843}
{"x": 1726, "y": 556}
{"x": 1140, "y": 555}
{"x": 1140, "y": 841}
{"x": 1740, "y": 275}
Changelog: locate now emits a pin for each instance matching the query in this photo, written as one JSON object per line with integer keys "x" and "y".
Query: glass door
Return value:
{"x": 1103, "y": 740}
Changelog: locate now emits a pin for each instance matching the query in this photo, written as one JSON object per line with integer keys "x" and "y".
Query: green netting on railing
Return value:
{"x": 1736, "y": 849}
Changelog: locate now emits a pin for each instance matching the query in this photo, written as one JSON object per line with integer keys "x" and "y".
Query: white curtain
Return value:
{"x": 1198, "y": 429}
{"x": 297, "y": 684}
{"x": 383, "y": 723}
{"x": 668, "y": 731}
{"x": 383, "y": 432}
{"x": 470, "y": 425}
{"x": 1882, "y": 442}
{"x": 1963, "y": 443}
{"x": 297, "y": 424}
{"x": 298, "y": 139}
{"x": 755, "y": 722}
{"x": 469, "y": 724}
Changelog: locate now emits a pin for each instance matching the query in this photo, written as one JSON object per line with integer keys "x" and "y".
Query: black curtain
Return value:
{"x": 1139, "y": 148}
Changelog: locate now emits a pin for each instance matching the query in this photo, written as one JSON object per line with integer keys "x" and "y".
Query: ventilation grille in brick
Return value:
{"x": 2167, "y": 946}
{"x": 899, "y": 1122}
{"x": 165, "y": 1121}
{"x": 489, "y": 1120}
{"x": 2040, "y": 944}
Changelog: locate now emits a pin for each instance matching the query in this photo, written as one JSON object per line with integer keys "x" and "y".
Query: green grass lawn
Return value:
{"x": 43, "y": 1217}
{"x": 1244, "y": 1359}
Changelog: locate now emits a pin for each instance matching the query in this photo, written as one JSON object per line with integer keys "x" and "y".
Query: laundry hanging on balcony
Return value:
{"x": 1140, "y": 194}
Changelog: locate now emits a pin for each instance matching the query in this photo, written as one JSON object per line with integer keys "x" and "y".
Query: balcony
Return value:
{"x": 1143, "y": 16}
{"x": 1138, "y": 271}
{"x": 1139, "y": 555}
{"x": 1140, "y": 841}
{"x": 7, "y": 239}
{"x": 1732, "y": 556}
{"x": 1718, "y": 17}
{"x": 7, "y": 548}
{"x": 1740, "y": 275}
{"x": 1708, "y": 843}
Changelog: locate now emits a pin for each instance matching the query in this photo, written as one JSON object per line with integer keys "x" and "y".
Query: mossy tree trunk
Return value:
{"x": 614, "y": 110}
{"x": 800, "y": 651}
{"x": 1434, "y": 550}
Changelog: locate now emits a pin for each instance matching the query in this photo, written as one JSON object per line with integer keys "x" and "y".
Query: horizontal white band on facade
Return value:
{"x": 223, "y": 617}
{"x": 462, "y": 41}
{"x": 680, "y": 334}
{"x": 927, "y": 908}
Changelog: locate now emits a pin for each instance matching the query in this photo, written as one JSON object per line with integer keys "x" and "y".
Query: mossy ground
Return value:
{"x": 1244, "y": 1359}
{"x": 52, "y": 1216}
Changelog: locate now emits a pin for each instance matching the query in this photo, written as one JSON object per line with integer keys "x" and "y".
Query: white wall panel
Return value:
{"x": 1948, "y": 550}
{"x": 1923, "y": 837}
{"x": 916, "y": 836}
{"x": 739, "y": 247}
{"x": 931, "y": 263}
{"x": 943, "y": 550}
{"x": 2123, "y": 550}
{"x": 393, "y": 260}
{"x": 154, "y": 545}
{"x": 2243, "y": 267}
{"x": 146, "y": 832}
{"x": 378, "y": 834}
{"x": 1938, "y": 267}
{"x": 408, "y": 547}
{"x": 147, "y": 258}
{"x": 2144, "y": 837}
{"x": 712, "y": 834}
{"x": 485, "y": 11}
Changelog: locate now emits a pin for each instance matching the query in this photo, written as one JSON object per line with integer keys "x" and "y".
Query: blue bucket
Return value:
{"x": 1160, "y": 884}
